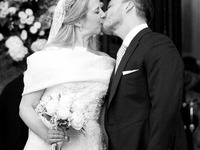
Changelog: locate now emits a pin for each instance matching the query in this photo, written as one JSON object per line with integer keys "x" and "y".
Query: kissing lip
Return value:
{"x": 102, "y": 21}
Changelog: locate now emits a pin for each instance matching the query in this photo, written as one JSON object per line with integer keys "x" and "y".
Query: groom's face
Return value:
{"x": 113, "y": 17}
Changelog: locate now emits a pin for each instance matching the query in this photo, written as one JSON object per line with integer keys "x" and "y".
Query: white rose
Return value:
{"x": 4, "y": 13}
{"x": 29, "y": 12}
{"x": 1, "y": 37}
{"x": 22, "y": 15}
{"x": 30, "y": 20}
{"x": 51, "y": 107}
{"x": 33, "y": 29}
{"x": 4, "y": 5}
{"x": 38, "y": 45}
{"x": 42, "y": 33}
{"x": 18, "y": 53}
{"x": 21, "y": 26}
{"x": 38, "y": 25}
{"x": 4, "y": 9}
{"x": 77, "y": 120}
{"x": 63, "y": 112}
{"x": 12, "y": 10}
{"x": 66, "y": 100}
{"x": 23, "y": 20}
{"x": 24, "y": 35}
{"x": 13, "y": 41}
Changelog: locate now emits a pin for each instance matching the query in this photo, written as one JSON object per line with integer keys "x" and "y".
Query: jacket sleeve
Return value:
{"x": 165, "y": 72}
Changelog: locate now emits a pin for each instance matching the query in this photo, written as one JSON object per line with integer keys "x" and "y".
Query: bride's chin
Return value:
{"x": 98, "y": 31}
{"x": 107, "y": 30}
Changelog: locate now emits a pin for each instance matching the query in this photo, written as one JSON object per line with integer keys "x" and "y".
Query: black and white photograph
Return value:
{"x": 99, "y": 75}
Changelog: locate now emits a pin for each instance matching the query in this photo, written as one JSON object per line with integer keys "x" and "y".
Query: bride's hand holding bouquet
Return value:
{"x": 55, "y": 137}
{"x": 59, "y": 113}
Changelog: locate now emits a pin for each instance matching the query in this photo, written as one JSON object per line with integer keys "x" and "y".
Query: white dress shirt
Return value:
{"x": 127, "y": 40}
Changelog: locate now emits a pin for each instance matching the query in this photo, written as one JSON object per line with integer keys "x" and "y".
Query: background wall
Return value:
{"x": 191, "y": 28}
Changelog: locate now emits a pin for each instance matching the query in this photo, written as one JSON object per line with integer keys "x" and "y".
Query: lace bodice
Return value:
{"x": 85, "y": 95}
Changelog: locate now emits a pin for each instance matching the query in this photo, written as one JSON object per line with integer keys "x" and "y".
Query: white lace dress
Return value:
{"x": 88, "y": 85}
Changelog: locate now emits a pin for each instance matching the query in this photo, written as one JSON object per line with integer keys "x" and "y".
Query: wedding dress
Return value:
{"x": 78, "y": 74}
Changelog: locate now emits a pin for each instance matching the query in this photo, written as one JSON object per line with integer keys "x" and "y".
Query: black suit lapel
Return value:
{"x": 130, "y": 49}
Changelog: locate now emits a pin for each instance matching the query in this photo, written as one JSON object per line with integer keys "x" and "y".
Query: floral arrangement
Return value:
{"x": 24, "y": 28}
{"x": 62, "y": 111}
{"x": 24, "y": 25}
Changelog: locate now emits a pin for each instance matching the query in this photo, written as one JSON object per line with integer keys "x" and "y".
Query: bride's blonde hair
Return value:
{"x": 66, "y": 36}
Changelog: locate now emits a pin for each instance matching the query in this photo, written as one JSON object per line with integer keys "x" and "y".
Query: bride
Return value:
{"x": 71, "y": 76}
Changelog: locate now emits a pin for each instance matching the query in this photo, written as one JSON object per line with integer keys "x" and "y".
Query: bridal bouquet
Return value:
{"x": 61, "y": 111}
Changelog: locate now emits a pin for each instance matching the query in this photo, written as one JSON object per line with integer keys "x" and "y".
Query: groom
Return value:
{"x": 145, "y": 94}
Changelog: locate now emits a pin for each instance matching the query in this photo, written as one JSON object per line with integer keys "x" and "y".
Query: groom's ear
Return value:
{"x": 129, "y": 6}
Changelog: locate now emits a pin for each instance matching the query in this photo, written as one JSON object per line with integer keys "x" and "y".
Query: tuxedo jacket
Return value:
{"x": 13, "y": 131}
{"x": 145, "y": 96}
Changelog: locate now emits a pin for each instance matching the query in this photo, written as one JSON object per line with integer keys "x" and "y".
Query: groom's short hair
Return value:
{"x": 144, "y": 8}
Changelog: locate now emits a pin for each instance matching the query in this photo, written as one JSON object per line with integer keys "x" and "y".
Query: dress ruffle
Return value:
{"x": 55, "y": 66}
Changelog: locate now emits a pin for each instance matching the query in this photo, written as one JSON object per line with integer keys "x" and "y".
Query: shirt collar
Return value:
{"x": 127, "y": 40}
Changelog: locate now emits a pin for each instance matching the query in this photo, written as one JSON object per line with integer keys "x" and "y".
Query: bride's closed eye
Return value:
{"x": 97, "y": 10}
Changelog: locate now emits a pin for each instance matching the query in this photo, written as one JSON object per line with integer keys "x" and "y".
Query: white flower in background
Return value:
{"x": 4, "y": 9}
{"x": 22, "y": 15}
{"x": 18, "y": 53}
{"x": 24, "y": 35}
{"x": 21, "y": 26}
{"x": 77, "y": 120}
{"x": 13, "y": 41}
{"x": 41, "y": 33}
{"x": 38, "y": 45}
{"x": 51, "y": 106}
{"x": 38, "y": 25}
{"x": 30, "y": 20}
{"x": 4, "y": 5}
{"x": 4, "y": 13}
{"x": 12, "y": 10}
{"x": 29, "y": 12}
{"x": 16, "y": 48}
{"x": 23, "y": 21}
{"x": 26, "y": 17}
{"x": 1, "y": 37}
{"x": 33, "y": 29}
{"x": 45, "y": 20}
